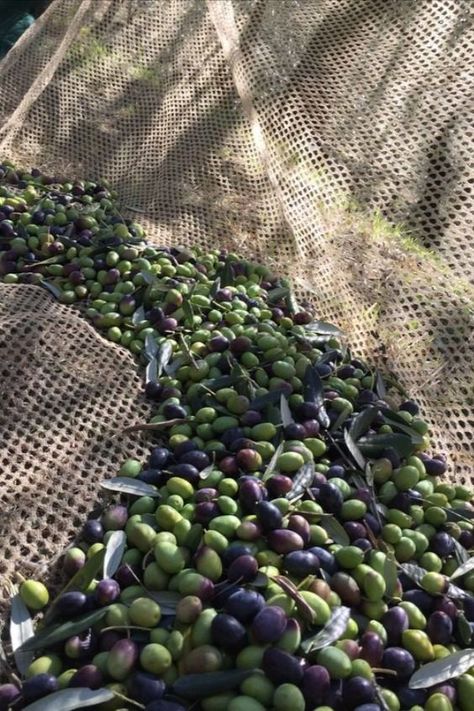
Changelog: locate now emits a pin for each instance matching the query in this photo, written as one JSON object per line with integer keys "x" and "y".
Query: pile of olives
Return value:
{"x": 289, "y": 544}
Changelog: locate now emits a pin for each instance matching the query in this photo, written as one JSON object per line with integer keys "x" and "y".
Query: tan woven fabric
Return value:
{"x": 296, "y": 131}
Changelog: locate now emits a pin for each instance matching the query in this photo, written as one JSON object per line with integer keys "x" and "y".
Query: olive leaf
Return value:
{"x": 127, "y": 485}
{"x": 449, "y": 667}
{"x": 361, "y": 422}
{"x": 463, "y": 569}
{"x": 198, "y": 686}
{"x": 341, "y": 418}
{"x": 464, "y": 629}
{"x": 462, "y": 513}
{"x": 330, "y": 356}
{"x": 281, "y": 292}
{"x": 216, "y": 285}
{"x": 151, "y": 347}
{"x": 313, "y": 391}
{"x": 292, "y": 304}
{"x": 52, "y": 288}
{"x": 166, "y": 599}
{"x": 70, "y": 699}
{"x": 163, "y": 356}
{"x": 302, "y": 480}
{"x": 462, "y": 556}
{"x": 331, "y": 631}
{"x": 268, "y": 399}
{"x": 335, "y": 530}
{"x": 390, "y": 574}
{"x": 269, "y": 471}
{"x": 157, "y": 426}
{"x": 380, "y": 389}
{"x": 322, "y": 328}
{"x": 373, "y": 446}
{"x": 138, "y": 315}
{"x": 21, "y": 630}
{"x": 227, "y": 276}
{"x": 354, "y": 449}
{"x": 303, "y": 607}
{"x": 413, "y": 571}
{"x": 114, "y": 551}
{"x": 207, "y": 471}
{"x": 49, "y": 636}
{"x": 416, "y": 437}
{"x": 286, "y": 416}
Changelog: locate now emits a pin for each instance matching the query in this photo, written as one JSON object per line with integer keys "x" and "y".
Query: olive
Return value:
{"x": 281, "y": 667}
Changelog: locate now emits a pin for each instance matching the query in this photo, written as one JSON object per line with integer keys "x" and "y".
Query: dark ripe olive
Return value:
{"x": 444, "y": 604}
{"x": 228, "y": 466}
{"x": 145, "y": 688}
{"x": 250, "y": 418}
{"x": 184, "y": 447}
{"x": 107, "y": 591}
{"x": 268, "y": 515}
{"x": 74, "y": 559}
{"x": 121, "y": 659}
{"x": 244, "y": 604}
{"x": 326, "y": 559}
{"x": 301, "y": 563}
{"x": 278, "y": 485}
{"x": 206, "y": 511}
{"x": 93, "y": 531}
{"x": 170, "y": 392}
{"x": 250, "y": 494}
{"x": 355, "y": 529}
{"x": 186, "y": 471}
{"x": 295, "y": 431}
{"x": 399, "y": 660}
{"x": 363, "y": 543}
{"x": 155, "y": 315}
{"x": 224, "y": 295}
{"x": 311, "y": 427}
{"x": 307, "y": 411}
{"x": 218, "y": 344}
{"x": 346, "y": 587}
{"x": 234, "y": 551}
{"x": 167, "y": 324}
{"x": 153, "y": 391}
{"x": 206, "y": 494}
{"x": 281, "y": 667}
{"x": 466, "y": 539}
{"x": 410, "y": 697}
{"x": 442, "y": 544}
{"x": 435, "y": 466}
{"x": 198, "y": 459}
{"x": 356, "y": 691}
{"x": 228, "y": 633}
{"x": 70, "y": 604}
{"x": 38, "y": 686}
{"x": 151, "y": 476}
{"x": 281, "y": 540}
{"x": 318, "y": 480}
{"x": 115, "y": 517}
{"x": 364, "y": 495}
{"x": 108, "y": 639}
{"x": 268, "y": 625}
{"x": 239, "y": 345}
{"x": 336, "y": 470}
{"x": 223, "y": 593}
{"x": 395, "y": 622}
{"x": 302, "y": 317}
{"x": 366, "y": 397}
{"x": 439, "y": 628}
{"x": 330, "y": 498}
{"x": 372, "y": 523}
{"x": 242, "y": 569}
{"x": 277, "y": 315}
{"x": 88, "y": 676}
{"x": 171, "y": 411}
{"x": 9, "y": 693}
{"x": 468, "y": 606}
{"x": 315, "y": 684}
{"x": 323, "y": 369}
{"x": 401, "y": 501}
{"x": 447, "y": 690}
{"x": 232, "y": 435}
{"x": 127, "y": 575}
{"x": 301, "y": 526}
{"x": 421, "y": 599}
{"x": 371, "y": 648}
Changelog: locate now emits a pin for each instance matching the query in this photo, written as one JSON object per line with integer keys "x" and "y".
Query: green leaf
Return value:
{"x": 286, "y": 416}
{"x": 21, "y": 630}
{"x": 354, "y": 449}
{"x": 268, "y": 399}
{"x": 138, "y": 315}
{"x": 207, "y": 471}
{"x": 442, "y": 669}
{"x": 49, "y": 636}
{"x": 322, "y": 328}
{"x": 127, "y": 485}
{"x": 380, "y": 389}
{"x": 462, "y": 556}
{"x": 270, "y": 470}
{"x": 151, "y": 347}
{"x": 464, "y": 629}
{"x": 70, "y": 699}
{"x": 361, "y": 422}
{"x": 198, "y": 686}
{"x": 331, "y": 631}
{"x": 374, "y": 445}
{"x": 167, "y": 600}
{"x": 335, "y": 530}
{"x": 114, "y": 552}
{"x": 390, "y": 574}
{"x": 281, "y": 292}
{"x": 313, "y": 391}
{"x": 302, "y": 480}
{"x": 463, "y": 569}
{"x": 413, "y": 571}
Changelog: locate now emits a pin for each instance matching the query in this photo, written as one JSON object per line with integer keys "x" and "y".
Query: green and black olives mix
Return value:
{"x": 290, "y": 542}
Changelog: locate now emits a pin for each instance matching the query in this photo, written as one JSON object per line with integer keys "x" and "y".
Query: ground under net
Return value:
{"x": 329, "y": 139}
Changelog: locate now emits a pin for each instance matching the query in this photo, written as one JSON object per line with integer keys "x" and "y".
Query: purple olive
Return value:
{"x": 268, "y": 515}
{"x": 315, "y": 685}
{"x": 9, "y": 693}
{"x": 371, "y": 648}
{"x": 439, "y": 628}
{"x": 442, "y": 544}
{"x": 300, "y": 525}
{"x": 251, "y": 418}
{"x": 395, "y": 622}
{"x": 311, "y": 427}
{"x": 250, "y": 494}
{"x": 278, "y": 485}
{"x": 326, "y": 559}
{"x": 186, "y": 471}
{"x": 88, "y": 676}
{"x": 357, "y": 691}
{"x": 400, "y": 660}
{"x": 444, "y": 604}
{"x": 330, "y": 498}
{"x": 108, "y": 639}
{"x": 107, "y": 591}
{"x": 242, "y": 569}
{"x": 447, "y": 690}
{"x": 198, "y": 459}
{"x": 244, "y": 604}
{"x": 218, "y": 344}
{"x": 281, "y": 667}
{"x": 295, "y": 431}
{"x": 281, "y": 540}
{"x": 38, "y": 686}
{"x": 269, "y": 624}
{"x": 355, "y": 529}
{"x": 411, "y": 697}
{"x": 205, "y": 511}
{"x": 115, "y": 517}
{"x": 228, "y": 633}
{"x": 70, "y": 604}
{"x": 301, "y": 563}
{"x": 421, "y": 599}
{"x": 93, "y": 531}
{"x": 145, "y": 688}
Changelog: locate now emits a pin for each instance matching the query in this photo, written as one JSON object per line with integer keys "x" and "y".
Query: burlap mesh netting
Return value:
{"x": 300, "y": 132}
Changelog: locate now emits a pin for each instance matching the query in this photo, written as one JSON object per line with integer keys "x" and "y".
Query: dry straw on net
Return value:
{"x": 294, "y": 131}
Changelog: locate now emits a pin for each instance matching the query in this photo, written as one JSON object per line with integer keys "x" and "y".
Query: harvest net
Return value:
{"x": 328, "y": 138}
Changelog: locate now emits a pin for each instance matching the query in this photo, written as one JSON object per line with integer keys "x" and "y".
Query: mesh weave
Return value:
{"x": 297, "y": 132}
